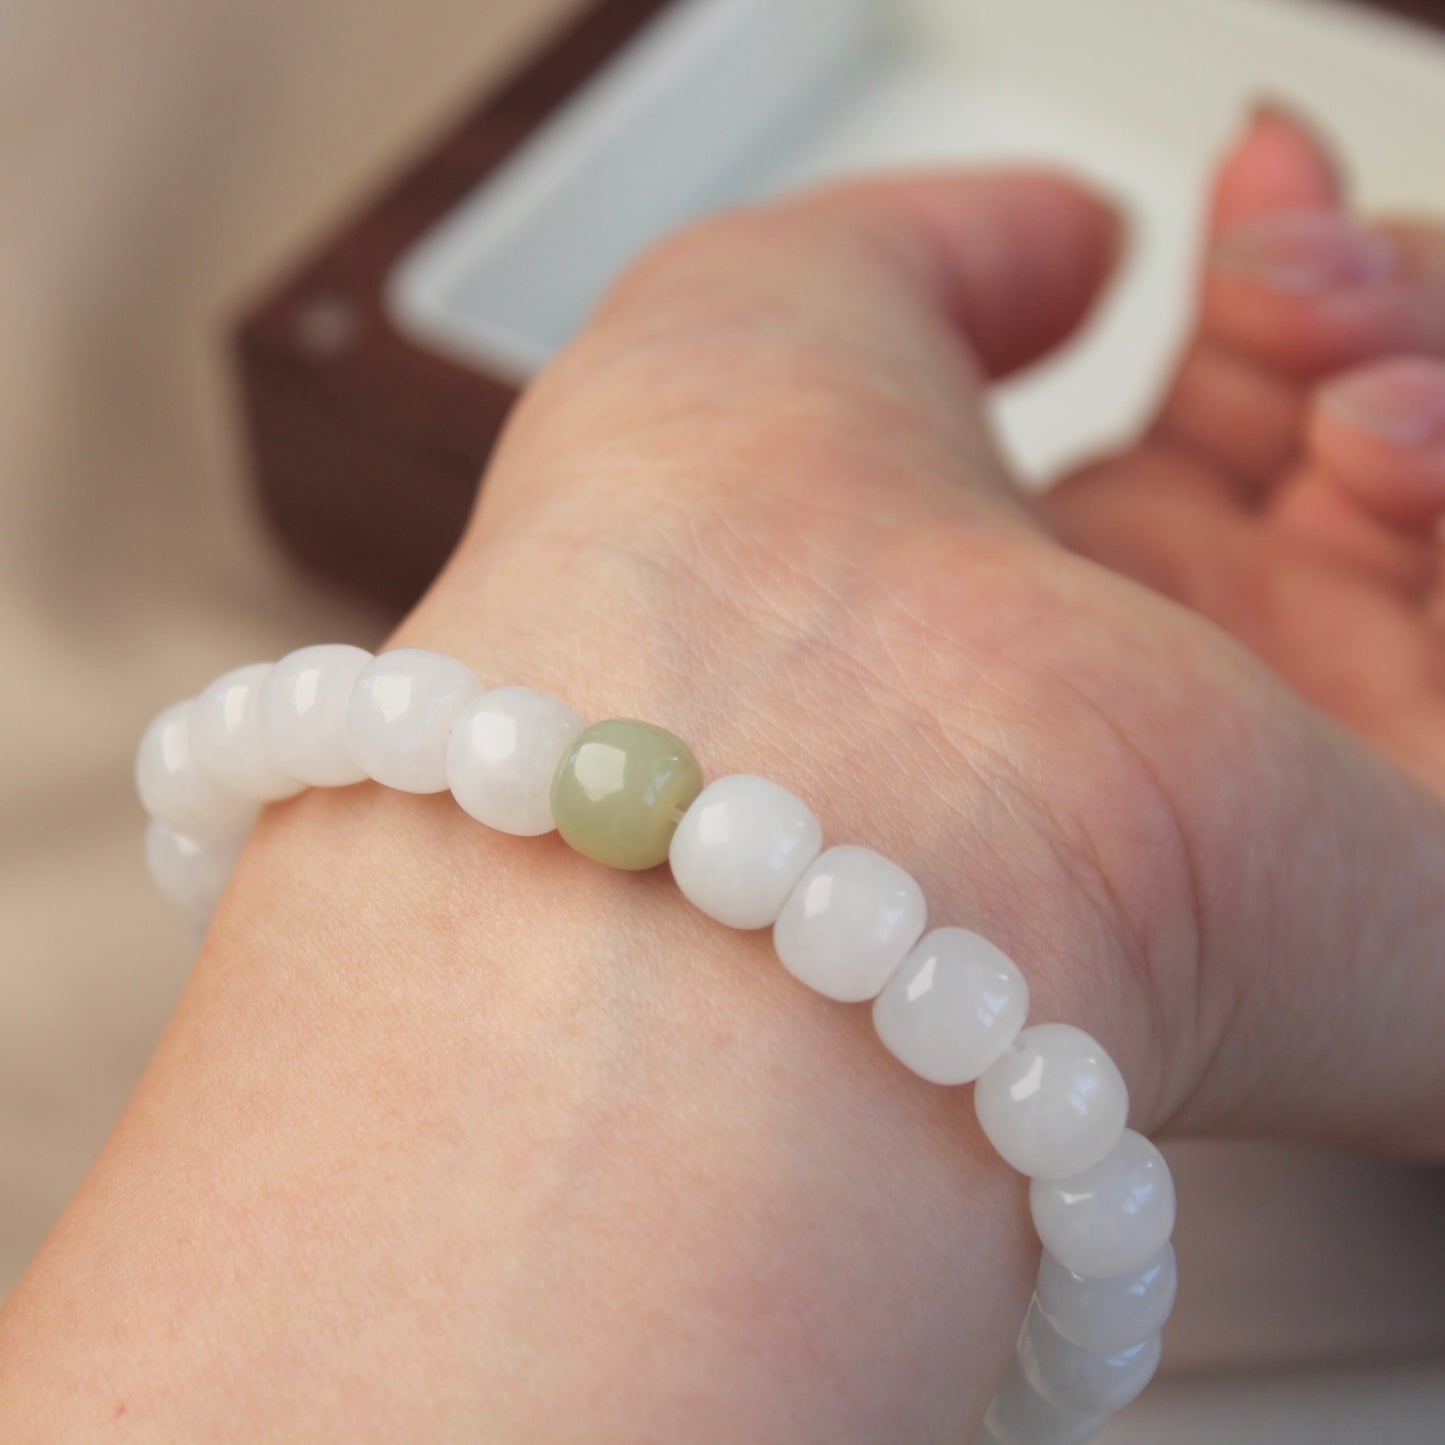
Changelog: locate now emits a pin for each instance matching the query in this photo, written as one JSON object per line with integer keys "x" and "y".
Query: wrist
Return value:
{"x": 560, "y": 1149}
{"x": 510, "y": 1039}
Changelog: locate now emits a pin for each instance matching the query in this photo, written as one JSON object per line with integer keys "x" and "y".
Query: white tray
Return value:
{"x": 726, "y": 100}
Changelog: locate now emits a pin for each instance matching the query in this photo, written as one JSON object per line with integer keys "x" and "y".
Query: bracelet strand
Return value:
{"x": 847, "y": 921}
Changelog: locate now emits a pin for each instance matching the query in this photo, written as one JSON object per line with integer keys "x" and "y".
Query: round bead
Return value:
{"x": 401, "y": 713}
{"x": 955, "y": 1004}
{"x": 741, "y": 848}
{"x": 849, "y": 923}
{"x": 1086, "y": 1381}
{"x": 175, "y": 791}
{"x": 504, "y": 753}
{"x": 189, "y": 875}
{"x": 620, "y": 789}
{"x": 302, "y": 713}
{"x": 1054, "y": 1103}
{"x": 1113, "y": 1313}
{"x": 226, "y": 737}
{"x": 1019, "y": 1415}
{"x": 1110, "y": 1218}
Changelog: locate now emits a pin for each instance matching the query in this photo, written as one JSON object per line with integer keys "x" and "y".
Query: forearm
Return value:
{"x": 457, "y": 1135}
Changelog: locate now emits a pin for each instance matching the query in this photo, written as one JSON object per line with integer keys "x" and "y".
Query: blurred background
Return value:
{"x": 271, "y": 272}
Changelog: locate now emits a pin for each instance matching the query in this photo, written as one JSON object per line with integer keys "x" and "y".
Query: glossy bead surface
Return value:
{"x": 741, "y": 848}
{"x": 301, "y": 713}
{"x": 503, "y": 754}
{"x": 1019, "y": 1415}
{"x": 1054, "y": 1103}
{"x": 174, "y": 790}
{"x": 1086, "y": 1381}
{"x": 952, "y": 1008}
{"x": 226, "y": 737}
{"x": 1111, "y": 1313}
{"x": 190, "y": 876}
{"x": 400, "y": 716}
{"x": 849, "y": 923}
{"x": 620, "y": 789}
{"x": 1112, "y": 1217}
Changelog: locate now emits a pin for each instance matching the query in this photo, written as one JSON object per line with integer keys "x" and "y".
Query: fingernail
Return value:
{"x": 1306, "y": 251}
{"x": 1400, "y": 402}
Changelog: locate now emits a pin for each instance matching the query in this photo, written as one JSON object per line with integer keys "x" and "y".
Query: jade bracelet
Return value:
{"x": 846, "y": 921}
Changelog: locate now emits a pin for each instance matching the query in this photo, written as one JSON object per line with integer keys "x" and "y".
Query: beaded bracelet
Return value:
{"x": 846, "y": 921}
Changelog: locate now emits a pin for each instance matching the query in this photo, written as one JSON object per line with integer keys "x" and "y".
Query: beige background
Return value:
{"x": 159, "y": 159}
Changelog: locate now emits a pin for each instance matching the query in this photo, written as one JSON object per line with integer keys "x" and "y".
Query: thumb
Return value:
{"x": 885, "y": 305}
{"x": 1008, "y": 262}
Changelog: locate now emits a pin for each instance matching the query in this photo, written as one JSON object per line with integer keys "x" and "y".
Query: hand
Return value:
{"x": 781, "y": 523}
{"x": 459, "y": 1136}
{"x": 1293, "y": 485}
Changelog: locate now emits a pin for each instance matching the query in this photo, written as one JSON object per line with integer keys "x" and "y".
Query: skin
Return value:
{"x": 459, "y": 1136}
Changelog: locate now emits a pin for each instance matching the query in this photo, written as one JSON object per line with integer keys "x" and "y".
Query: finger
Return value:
{"x": 1422, "y": 243}
{"x": 1008, "y": 262}
{"x": 871, "y": 313}
{"x": 1380, "y": 431}
{"x": 1312, "y": 291}
{"x": 1239, "y": 413}
{"x": 1156, "y": 513}
{"x": 1231, "y": 406}
{"x": 1373, "y": 493}
{"x": 1280, "y": 163}
{"x": 1421, "y": 246}
{"x": 1315, "y": 510}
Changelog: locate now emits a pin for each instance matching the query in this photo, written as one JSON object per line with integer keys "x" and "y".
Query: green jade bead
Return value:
{"x": 620, "y": 791}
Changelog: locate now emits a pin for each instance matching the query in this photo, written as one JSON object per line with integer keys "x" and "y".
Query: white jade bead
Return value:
{"x": 1113, "y": 1313}
{"x": 1054, "y": 1103}
{"x": 955, "y": 1004}
{"x": 401, "y": 713}
{"x": 1019, "y": 1415}
{"x": 503, "y": 753}
{"x": 302, "y": 713}
{"x": 190, "y": 876}
{"x": 1110, "y": 1218}
{"x": 741, "y": 848}
{"x": 226, "y": 737}
{"x": 849, "y": 922}
{"x": 175, "y": 791}
{"x": 1088, "y": 1381}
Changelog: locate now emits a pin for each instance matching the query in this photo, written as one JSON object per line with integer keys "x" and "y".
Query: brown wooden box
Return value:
{"x": 367, "y": 447}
